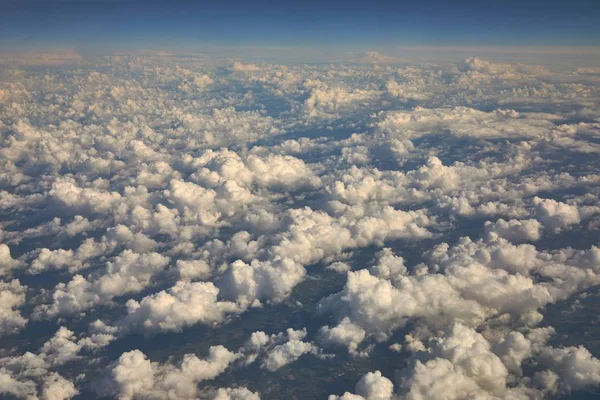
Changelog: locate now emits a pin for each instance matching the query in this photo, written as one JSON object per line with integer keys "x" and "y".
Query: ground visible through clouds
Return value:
{"x": 180, "y": 228}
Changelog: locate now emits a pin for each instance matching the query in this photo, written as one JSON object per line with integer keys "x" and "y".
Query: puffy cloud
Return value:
{"x": 475, "y": 281}
{"x": 128, "y": 272}
{"x": 463, "y": 363}
{"x": 507, "y": 71}
{"x": 463, "y": 122}
{"x": 83, "y": 200}
{"x": 269, "y": 170}
{"x": 286, "y": 353}
{"x": 182, "y": 305}
{"x": 7, "y": 263}
{"x": 58, "y": 388}
{"x": 261, "y": 280}
{"x": 32, "y": 376}
{"x": 129, "y": 377}
{"x": 326, "y": 102}
{"x": 123, "y": 178}
{"x": 193, "y": 269}
{"x": 345, "y": 334}
{"x": 313, "y": 235}
{"x": 240, "y": 67}
{"x": 226, "y": 126}
{"x": 134, "y": 376}
{"x": 554, "y": 214}
{"x": 64, "y": 346}
{"x": 12, "y": 296}
{"x": 388, "y": 266}
{"x": 372, "y": 386}
{"x": 11, "y": 386}
{"x": 514, "y": 230}
{"x": 339, "y": 266}
{"x": 575, "y": 367}
{"x": 278, "y": 350}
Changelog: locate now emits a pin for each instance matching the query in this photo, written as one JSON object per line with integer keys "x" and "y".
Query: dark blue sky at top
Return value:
{"x": 151, "y": 24}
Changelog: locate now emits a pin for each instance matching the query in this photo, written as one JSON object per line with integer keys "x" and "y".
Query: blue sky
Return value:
{"x": 120, "y": 24}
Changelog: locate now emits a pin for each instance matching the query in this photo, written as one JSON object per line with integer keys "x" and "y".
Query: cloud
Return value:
{"x": 374, "y": 57}
{"x": 31, "y": 375}
{"x": 159, "y": 193}
{"x": 286, "y": 353}
{"x": 574, "y": 367}
{"x": 372, "y": 386}
{"x": 134, "y": 376}
{"x": 474, "y": 282}
{"x": 326, "y": 102}
{"x": 346, "y": 334}
{"x": 554, "y": 214}
{"x": 278, "y": 350}
{"x": 129, "y": 272}
{"x": 514, "y": 230}
{"x": 7, "y": 263}
{"x": 182, "y": 305}
{"x": 261, "y": 280}
{"x": 12, "y": 296}
{"x": 463, "y": 122}
{"x": 49, "y": 58}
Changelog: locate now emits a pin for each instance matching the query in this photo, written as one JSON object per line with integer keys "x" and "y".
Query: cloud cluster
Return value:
{"x": 472, "y": 282}
{"x": 463, "y": 363}
{"x": 31, "y": 375}
{"x": 133, "y": 376}
{"x": 12, "y": 296}
{"x": 146, "y": 194}
{"x": 278, "y": 350}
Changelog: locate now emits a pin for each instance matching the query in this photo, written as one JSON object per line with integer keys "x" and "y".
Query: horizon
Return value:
{"x": 119, "y": 24}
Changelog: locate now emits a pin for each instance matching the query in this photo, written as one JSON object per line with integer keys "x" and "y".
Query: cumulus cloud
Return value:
{"x": 128, "y": 272}
{"x": 554, "y": 214}
{"x": 182, "y": 305}
{"x": 471, "y": 282}
{"x": 32, "y": 375}
{"x": 278, "y": 350}
{"x": 372, "y": 386}
{"x": 7, "y": 263}
{"x": 133, "y": 375}
{"x": 346, "y": 334}
{"x": 12, "y": 296}
{"x": 327, "y": 102}
{"x": 514, "y": 230}
{"x": 161, "y": 193}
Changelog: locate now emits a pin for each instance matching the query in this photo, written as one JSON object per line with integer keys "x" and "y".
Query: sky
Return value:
{"x": 120, "y": 24}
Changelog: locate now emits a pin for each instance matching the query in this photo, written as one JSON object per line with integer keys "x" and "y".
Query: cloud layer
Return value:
{"x": 175, "y": 227}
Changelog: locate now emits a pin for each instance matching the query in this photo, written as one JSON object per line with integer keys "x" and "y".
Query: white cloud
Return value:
{"x": 128, "y": 272}
{"x": 182, "y": 305}
{"x": 554, "y": 214}
{"x": 372, "y": 386}
{"x": 230, "y": 188}
{"x": 134, "y": 376}
{"x": 7, "y": 263}
{"x": 286, "y": 353}
{"x": 12, "y": 296}
{"x": 514, "y": 230}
